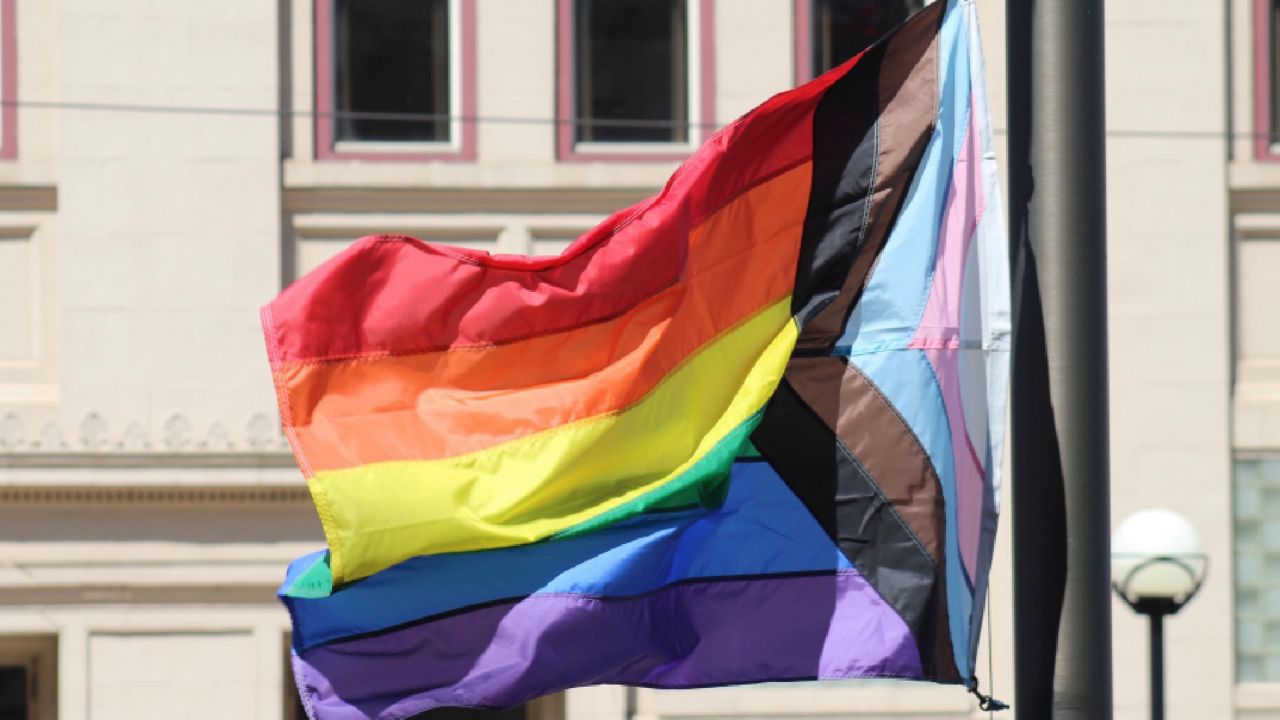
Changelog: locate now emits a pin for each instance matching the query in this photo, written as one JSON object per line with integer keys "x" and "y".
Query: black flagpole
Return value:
{"x": 1058, "y": 430}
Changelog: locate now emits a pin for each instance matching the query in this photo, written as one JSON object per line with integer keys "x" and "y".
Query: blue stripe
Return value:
{"x": 893, "y": 302}
{"x": 906, "y": 379}
{"x": 761, "y": 528}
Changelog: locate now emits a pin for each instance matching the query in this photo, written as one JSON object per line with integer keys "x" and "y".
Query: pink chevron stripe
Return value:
{"x": 940, "y": 324}
{"x": 938, "y": 334}
{"x": 970, "y": 477}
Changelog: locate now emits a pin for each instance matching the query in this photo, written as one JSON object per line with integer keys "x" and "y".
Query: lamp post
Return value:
{"x": 1157, "y": 566}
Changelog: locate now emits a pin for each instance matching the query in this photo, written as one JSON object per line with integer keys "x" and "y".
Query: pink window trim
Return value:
{"x": 9, "y": 80}
{"x": 1262, "y": 82}
{"x": 466, "y": 150}
{"x": 566, "y": 148}
{"x": 804, "y": 41}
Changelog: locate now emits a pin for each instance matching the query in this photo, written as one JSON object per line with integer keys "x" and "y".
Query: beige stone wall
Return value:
{"x": 1169, "y": 327}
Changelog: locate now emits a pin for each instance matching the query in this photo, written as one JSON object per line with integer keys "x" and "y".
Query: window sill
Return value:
{"x": 1257, "y": 695}
{"x": 1252, "y": 175}
{"x": 638, "y": 152}
{"x": 382, "y": 146}
{"x": 396, "y": 151}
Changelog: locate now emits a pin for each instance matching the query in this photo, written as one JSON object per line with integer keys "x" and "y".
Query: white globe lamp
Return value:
{"x": 1157, "y": 566}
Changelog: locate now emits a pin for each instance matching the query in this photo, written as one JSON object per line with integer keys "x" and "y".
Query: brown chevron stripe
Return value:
{"x": 848, "y": 504}
{"x": 872, "y": 431}
{"x": 908, "y": 92}
{"x": 876, "y": 434}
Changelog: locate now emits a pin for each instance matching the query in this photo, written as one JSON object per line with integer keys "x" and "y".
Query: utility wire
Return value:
{"x": 143, "y": 109}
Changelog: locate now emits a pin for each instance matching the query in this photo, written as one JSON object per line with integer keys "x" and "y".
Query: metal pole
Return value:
{"x": 1157, "y": 666}
{"x": 1061, "y": 508}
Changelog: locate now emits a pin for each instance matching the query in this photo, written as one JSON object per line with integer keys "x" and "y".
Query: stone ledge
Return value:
{"x": 458, "y": 200}
{"x": 123, "y": 594}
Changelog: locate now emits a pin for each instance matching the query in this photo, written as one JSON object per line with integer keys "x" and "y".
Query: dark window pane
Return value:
{"x": 391, "y": 56}
{"x": 843, "y": 28}
{"x": 631, "y": 70}
{"x": 13, "y": 692}
{"x": 515, "y": 713}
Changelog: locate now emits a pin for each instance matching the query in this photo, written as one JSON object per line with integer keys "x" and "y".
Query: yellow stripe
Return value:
{"x": 528, "y": 489}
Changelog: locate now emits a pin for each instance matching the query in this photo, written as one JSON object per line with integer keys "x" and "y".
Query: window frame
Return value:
{"x": 701, "y": 88}
{"x": 1265, "y": 147}
{"x": 1262, "y": 80}
{"x": 461, "y": 146}
{"x": 8, "y": 80}
{"x": 803, "y": 33}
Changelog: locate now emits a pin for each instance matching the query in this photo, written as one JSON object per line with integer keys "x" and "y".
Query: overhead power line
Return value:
{"x": 149, "y": 109}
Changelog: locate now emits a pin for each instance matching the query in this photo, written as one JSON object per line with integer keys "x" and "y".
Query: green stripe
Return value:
{"x": 315, "y": 582}
{"x": 705, "y": 483}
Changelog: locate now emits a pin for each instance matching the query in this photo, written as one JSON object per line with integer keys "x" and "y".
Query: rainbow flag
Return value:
{"x": 747, "y": 430}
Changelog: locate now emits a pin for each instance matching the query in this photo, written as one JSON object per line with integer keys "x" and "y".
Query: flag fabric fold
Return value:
{"x": 747, "y": 430}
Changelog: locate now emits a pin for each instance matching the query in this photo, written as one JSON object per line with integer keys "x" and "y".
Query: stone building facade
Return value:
{"x": 166, "y": 167}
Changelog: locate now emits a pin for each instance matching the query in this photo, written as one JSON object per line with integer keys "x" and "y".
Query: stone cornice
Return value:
{"x": 94, "y": 438}
{"x": 138, "y": 594}
{"x": 29, "y": 198}
{"x": 455, "y": 200}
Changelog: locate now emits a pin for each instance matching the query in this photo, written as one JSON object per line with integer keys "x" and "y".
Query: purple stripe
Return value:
{"x": 691, "y": 635}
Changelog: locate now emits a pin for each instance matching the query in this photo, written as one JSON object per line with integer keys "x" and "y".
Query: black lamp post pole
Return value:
{"x": 1157, "y": 609}
{"x": 1157, "y": 666}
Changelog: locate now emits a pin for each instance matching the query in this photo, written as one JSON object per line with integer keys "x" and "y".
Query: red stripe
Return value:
{"x": 397, "y": 295}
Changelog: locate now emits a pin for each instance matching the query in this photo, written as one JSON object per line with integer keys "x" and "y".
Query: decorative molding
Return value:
{"x": 175, "y": 431}
{"x": 134, "y": 438}
{"x": 93, "y": 432}
{"x": 10, "y": 431}
{"x": 153, "y": 460}
{"x": 50, "y": 439}
{"x": 95, "y": 437}
{"x": 168, "y": 496}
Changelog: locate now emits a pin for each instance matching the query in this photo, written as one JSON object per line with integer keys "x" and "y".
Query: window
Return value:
{"x": 391, "y": 56}
{"x": 15, "y": 692}
{"x": 832, "y": 31}
{"x": 635, "y": 77}
{"x": 27, "y": 686}
{"x": 394, "y": 79}
{"x": 1257, "y": 556}
{"x": 632, "y": 70}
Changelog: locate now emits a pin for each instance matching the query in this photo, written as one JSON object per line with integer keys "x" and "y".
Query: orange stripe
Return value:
{"x": 441, "y": 404}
